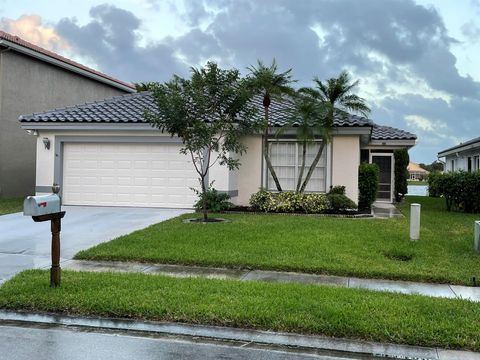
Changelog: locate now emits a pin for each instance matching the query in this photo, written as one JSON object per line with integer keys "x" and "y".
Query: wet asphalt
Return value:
{"x": 66, "y": 343}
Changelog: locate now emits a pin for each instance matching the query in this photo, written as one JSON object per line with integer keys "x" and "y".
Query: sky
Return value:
{"x": 417, "y": 61}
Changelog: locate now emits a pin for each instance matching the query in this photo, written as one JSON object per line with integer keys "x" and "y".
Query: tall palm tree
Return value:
{"x": 337, "y": 96}
{"x": 272, "y": 85}
{"x": 307, "y": 117}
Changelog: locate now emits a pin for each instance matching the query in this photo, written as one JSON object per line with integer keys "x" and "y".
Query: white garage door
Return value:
{"x": 119, "y": 174}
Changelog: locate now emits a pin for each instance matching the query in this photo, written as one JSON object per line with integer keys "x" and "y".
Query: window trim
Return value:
{"x": 327, "y": 150}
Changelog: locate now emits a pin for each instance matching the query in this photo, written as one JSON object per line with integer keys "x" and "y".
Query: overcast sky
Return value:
{"x": 417, "y": 61}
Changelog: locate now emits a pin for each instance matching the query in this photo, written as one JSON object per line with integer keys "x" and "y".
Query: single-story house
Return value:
{"x": 103, "y": 153}
{"x": 464, "y": 156}
{"x": 416, "y": 172}
{"x": 34, "y": 79}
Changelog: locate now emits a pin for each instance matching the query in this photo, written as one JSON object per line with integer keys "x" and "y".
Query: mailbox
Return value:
{"x": 41, "y": 205}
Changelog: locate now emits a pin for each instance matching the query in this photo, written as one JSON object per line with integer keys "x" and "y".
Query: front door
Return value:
{"x": 384, "y": 163}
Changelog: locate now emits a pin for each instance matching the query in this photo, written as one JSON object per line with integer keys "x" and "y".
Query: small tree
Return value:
{"x": 271, "y": 85}
{"x": 307, "y": 118}
{"x": 210, "y": 113}
{"x": 337, "y": 96}
{"x": 401, "y": 173}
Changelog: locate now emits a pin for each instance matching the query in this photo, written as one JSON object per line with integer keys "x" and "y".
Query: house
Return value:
{"x": 464, "y": 156}
{"x": 33, "y": 79}
{"x": 103, "y": 153}
{"x": 416, "y": 172}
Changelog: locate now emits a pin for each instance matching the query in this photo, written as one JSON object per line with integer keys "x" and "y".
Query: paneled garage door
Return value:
{"x": 120, "y": 174}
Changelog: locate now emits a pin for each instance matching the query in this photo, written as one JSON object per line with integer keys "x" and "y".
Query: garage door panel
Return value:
{"x": 127, "y": 175}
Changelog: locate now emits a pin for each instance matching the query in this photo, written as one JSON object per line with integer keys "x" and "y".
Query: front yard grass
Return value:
{"x": 372, "y": 248}
{"x": 9, "y": 206}
{"x": 309, "y": 309}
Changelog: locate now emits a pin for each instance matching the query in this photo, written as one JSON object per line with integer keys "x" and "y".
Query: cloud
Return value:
{"x": 32, "y": 29}
{"x": 424, "y": 124}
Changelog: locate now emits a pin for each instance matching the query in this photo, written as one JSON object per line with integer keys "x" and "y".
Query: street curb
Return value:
{"x": 308, "y": 342}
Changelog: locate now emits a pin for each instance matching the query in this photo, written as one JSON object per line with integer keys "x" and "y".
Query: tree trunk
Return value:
{"x": 313, "y": 166}
{"x": 266, "y": 154}
{"x": 204, "y": 196}
{"x": 300, "y": 176}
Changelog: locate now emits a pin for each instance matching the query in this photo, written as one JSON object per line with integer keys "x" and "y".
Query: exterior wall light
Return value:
{"x": 46, "y": 143}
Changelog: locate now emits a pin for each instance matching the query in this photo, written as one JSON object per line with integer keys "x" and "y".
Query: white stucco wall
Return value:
{"x": 345, "y": 162}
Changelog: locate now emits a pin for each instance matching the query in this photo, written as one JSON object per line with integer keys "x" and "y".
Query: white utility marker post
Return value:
{"x": 415, "y": 221}
{"x": 476, "y": 237}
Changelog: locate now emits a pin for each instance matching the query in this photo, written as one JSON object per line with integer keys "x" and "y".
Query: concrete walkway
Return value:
{"x": 404, "y": 287}
{"x": 332, "y": 348}
{"x": 25, "y": 244}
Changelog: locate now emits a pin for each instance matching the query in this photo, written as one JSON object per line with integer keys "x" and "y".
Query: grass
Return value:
{"x": 10, "y": 206}
{"x": 308, "y": 309}
{"x": 415, "y": 182}
{"x": 373, "y": 248}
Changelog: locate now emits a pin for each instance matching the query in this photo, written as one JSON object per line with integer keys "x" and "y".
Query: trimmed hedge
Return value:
{"x": 367, "y": 185}
{"x": 216, "y": 201}
{"x": 293, "y": 202}
{"x": 401, "y": 173}
{"x": 460, "y": 189}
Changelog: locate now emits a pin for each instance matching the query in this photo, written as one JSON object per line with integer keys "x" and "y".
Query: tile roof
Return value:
{"x": 472, "y": 142}
{"x": 129, "y": 108}
{"x": 380, "y": 132}
{"x": 18, "y": 41}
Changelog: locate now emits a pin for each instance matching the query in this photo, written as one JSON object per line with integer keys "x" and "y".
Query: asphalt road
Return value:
{"x": 58, "y": 343}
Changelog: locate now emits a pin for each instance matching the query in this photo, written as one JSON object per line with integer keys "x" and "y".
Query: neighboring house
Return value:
{"x": 33, "y": 79}
{"x": 416, "y": 172}
{"x": 103, "y": 153}
{"x": 464, "y": 156}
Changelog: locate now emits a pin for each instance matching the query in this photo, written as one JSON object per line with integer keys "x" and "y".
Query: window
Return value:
{"x": 476, "y": 163}
{"x": 452, "y": 165}
{"x": 469, "y": 164}
{"x": 286, "y": 157}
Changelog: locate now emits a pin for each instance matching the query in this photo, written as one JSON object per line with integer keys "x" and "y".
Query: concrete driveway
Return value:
{"x": 25, "y": 244}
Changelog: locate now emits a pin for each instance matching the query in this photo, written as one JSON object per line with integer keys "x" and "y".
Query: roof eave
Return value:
{"x": 458, "y": 148}
{"x": 59, "y": 63}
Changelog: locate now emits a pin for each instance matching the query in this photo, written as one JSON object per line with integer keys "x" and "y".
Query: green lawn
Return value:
{"x": 413, "y": 182}
{"x": 9, "y": 206}
{"x": 309, "y": 309}
{"x": 350, "y": 247}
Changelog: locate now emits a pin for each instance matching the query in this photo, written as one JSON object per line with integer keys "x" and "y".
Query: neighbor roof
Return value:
{"x": 467, "y": 144}
{"x": 25, "y": 47}
{"x": 380, "y": 132}
{"x": 130, "y": 108}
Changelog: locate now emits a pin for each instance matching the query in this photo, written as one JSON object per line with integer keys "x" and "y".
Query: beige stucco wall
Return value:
{"x": 345, "y": 162}
{"x": 249, "y": 174}
{"x": 28, "y": 85}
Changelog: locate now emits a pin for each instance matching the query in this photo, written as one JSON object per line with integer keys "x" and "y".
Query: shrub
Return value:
{"x": 339, "y": 203}
{"x": 263, "y": 201}
{"x": 338, "y": 189}
{"x": 460, "y": 189}
{"x": 314, "y": 203}
{"x": 288, "y": 202}
{"x": 401, "y": 173}
{"x": 367, "y": 185}
{"x": 216, "y": 201}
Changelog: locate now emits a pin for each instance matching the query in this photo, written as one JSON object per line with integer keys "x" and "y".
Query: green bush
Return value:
{"x": 338, "y": 189}
{"x": 401, "y": 173}
{"x": 367, "y": 185}
{"x": 338, "y": 203}
{"x": 216, "y": 201}
{"x": 460, "y": 189}
{"x": 288, "y": 202}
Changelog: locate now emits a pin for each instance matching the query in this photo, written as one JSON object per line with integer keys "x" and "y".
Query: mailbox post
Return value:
{"x": 45, "y": 208}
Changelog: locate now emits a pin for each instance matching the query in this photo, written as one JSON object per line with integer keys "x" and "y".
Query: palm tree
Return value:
{"x": 307, "y": 117}
{"x": 272, "y": 85}
{"x": 338, "y": 99}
